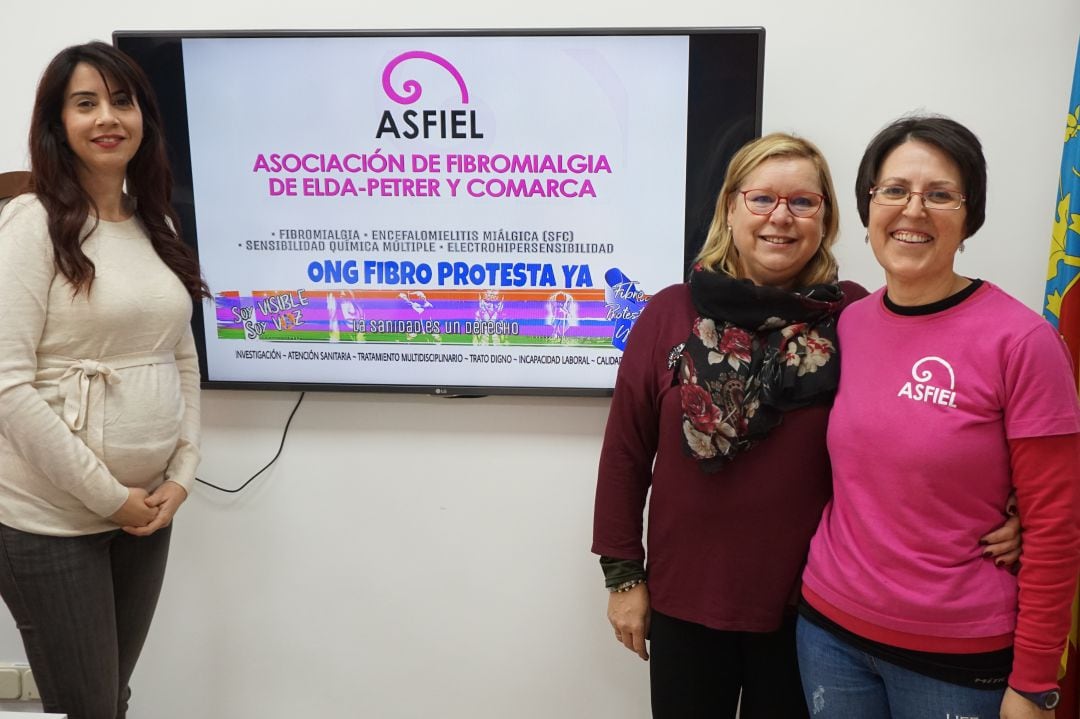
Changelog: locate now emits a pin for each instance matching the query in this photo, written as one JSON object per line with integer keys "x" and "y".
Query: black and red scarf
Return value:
{"x": 753, "y": 353}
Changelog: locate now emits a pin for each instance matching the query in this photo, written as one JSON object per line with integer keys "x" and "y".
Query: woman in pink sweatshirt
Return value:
{"x": 952, "y": 393}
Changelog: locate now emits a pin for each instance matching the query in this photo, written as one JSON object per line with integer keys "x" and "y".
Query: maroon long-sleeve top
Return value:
{"x": 724, "y": 550}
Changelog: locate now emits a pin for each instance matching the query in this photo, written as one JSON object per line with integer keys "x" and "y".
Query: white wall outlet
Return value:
{"x": 29, "y": 686}
{"x": 10, "y": 682}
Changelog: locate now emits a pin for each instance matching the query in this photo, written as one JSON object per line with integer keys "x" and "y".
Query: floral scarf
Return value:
{"x": 753, "y": 354}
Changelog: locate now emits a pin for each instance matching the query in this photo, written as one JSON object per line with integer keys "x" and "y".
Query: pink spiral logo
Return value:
{"x": 412, "y": 88}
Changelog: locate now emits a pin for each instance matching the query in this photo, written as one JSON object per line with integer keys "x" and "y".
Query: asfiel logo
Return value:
{"x": 922, "y": 391}
{"x": 445, "y": 123}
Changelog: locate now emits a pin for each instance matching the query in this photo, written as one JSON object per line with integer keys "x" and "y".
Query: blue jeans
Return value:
{"x": 841, "y": 681}
{"x": 83, "y": 606}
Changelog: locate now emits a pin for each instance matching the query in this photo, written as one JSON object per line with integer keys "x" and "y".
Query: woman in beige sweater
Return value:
{"x": 99, "y": 381}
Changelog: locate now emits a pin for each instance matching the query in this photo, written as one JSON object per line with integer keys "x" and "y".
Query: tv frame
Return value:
{"x": 703, "y": 177}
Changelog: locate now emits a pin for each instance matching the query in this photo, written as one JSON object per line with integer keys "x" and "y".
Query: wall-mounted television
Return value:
{"x": 444, "y": 212}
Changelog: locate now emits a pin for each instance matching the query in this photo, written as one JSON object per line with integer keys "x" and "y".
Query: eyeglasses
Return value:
{"x": 800, "y": 204}
{"x": 898, "y": 195}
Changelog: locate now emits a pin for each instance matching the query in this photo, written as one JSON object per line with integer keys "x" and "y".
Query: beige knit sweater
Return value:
{"x": 98, "y": 392}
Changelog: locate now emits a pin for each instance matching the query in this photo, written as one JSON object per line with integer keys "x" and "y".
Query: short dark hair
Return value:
{"x": 949, "y": 136}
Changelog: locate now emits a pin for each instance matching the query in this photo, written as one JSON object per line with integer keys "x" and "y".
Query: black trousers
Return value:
{"x": 83, "y": 606}
{"x": 698, "y": 673}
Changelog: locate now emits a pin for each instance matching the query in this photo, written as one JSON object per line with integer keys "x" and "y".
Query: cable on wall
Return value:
{"x": 281, "y": 446}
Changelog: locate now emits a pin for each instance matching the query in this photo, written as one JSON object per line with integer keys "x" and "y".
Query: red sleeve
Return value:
{"x": 1046, "y": 475}
{"x": 630, "y": 441}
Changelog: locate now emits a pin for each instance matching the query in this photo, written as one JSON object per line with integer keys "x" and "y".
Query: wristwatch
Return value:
{"x": 1043, "y": 700}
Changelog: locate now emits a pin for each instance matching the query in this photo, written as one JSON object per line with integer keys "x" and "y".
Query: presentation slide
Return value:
{"x": 434, "y": 211}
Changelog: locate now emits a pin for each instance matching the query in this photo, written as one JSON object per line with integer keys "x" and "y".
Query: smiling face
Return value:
{"x": 102, "y": 123}
{"x": 774, "y": 248}
{"x": 914, "y": 245}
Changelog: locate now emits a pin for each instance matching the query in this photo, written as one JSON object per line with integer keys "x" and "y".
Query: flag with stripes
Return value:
{"x": 1062, "y": 308}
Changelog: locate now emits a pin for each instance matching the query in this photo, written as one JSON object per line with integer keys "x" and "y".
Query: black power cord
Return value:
{"x": 281, "y": 446}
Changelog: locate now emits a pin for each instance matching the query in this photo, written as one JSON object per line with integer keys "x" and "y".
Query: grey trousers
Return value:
{"x": 83, "y": 606}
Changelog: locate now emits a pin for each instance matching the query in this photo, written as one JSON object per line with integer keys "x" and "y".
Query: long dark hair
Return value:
{"x": 149, "y": 179}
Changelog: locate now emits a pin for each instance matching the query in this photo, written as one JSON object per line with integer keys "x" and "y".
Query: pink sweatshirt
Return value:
{"x": 919, "y": 439}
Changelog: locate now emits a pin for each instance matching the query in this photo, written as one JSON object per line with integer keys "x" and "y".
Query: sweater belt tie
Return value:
{"x": 82, "y": 388}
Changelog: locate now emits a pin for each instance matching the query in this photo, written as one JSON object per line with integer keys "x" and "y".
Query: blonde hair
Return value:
{"x": 719, "y": 254}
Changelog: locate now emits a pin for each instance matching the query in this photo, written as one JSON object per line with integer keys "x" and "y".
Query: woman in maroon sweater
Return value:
{"x": 720, "y": 408}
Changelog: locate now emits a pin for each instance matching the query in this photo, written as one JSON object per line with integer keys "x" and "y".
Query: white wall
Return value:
{"x": 416, "y": 557}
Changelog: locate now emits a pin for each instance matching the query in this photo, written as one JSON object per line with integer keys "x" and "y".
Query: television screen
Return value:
{"x": 443, "y": 212}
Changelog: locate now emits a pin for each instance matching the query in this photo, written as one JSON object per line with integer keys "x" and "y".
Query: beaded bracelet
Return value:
{"x": 627, "y": 585}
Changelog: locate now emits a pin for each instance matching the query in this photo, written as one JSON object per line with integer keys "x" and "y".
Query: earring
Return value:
{"x": 961, "y": 248}
{"x": 729, "y": 228}
{"x": 867, "y": 239}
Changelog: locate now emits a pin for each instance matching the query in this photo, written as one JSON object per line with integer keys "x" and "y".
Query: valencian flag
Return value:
{"x": 1063, "y": 310}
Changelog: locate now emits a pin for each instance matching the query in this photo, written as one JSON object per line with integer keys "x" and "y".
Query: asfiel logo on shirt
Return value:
{"x": 921, "y": 390}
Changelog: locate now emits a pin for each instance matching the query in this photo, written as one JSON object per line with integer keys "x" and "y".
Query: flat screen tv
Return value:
{"x": 443, "y": 212}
